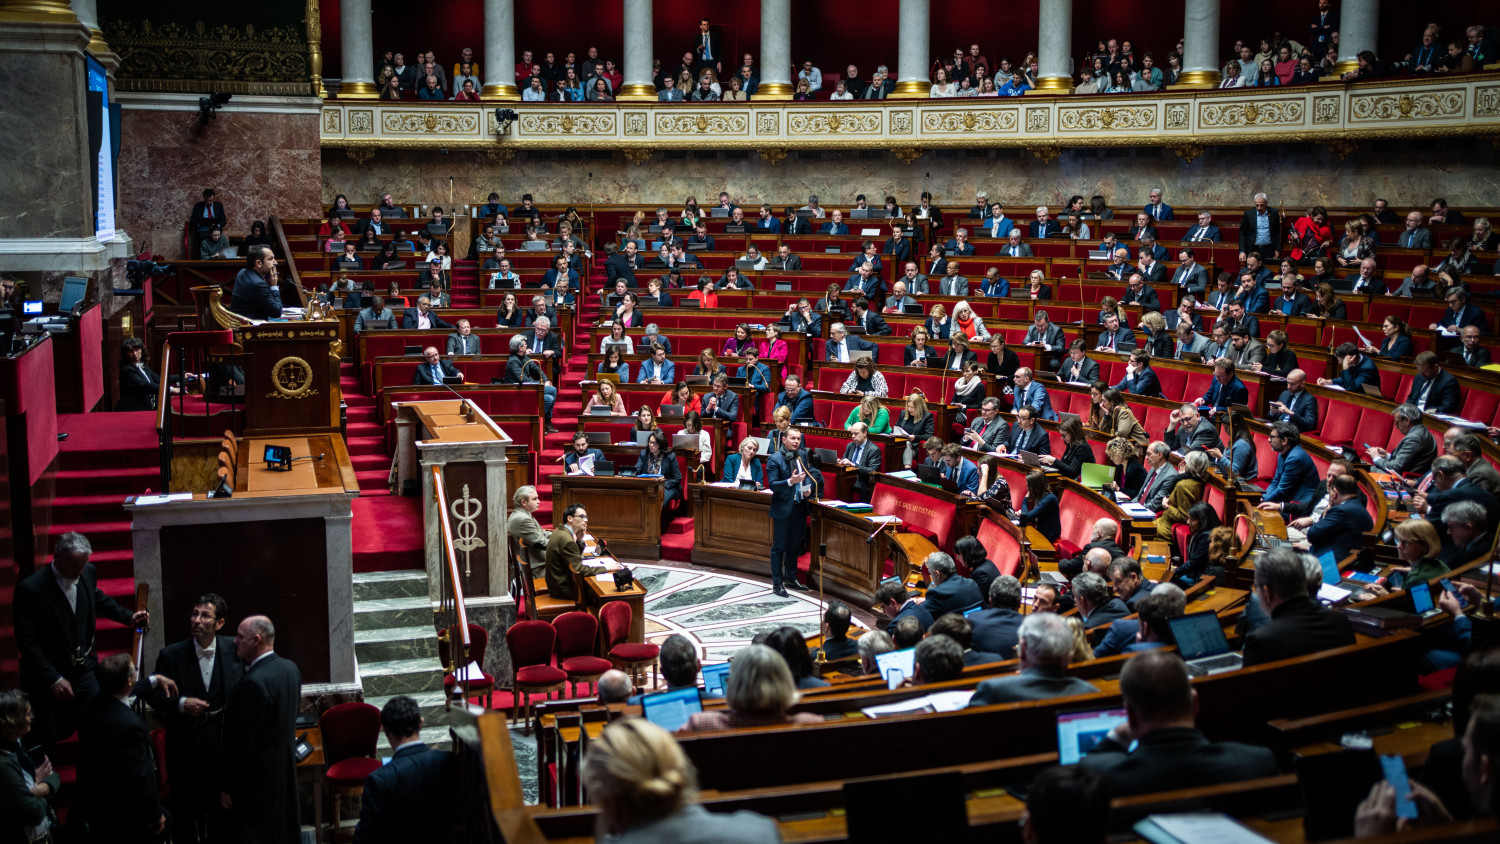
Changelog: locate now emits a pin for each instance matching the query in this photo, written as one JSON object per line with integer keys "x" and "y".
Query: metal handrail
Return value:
{"x": 451, "y": 595}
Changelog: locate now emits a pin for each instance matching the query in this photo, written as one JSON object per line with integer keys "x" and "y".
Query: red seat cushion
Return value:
{"x": 586, "y": 665}
{"x": 632, "y": 652}
{"x": 484, "y": 680}
{"x": 540, "y": 675}
{"x": 352, "y": 772}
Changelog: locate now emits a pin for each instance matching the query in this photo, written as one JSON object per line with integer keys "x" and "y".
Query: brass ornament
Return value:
{"x": 359, "y": 155}
{"x": 177, "y": 58}
{"x": 772, "y": 155}
{"x": 291, "y": 378}
{"x": 907, "y": 154}
{"x": 1341, "y": 147}
{"x": 1046, "y": 153}
{"x": 637, "y": 155}
{"x": 500, "y": 155}
{"x": 1187, "y": 152}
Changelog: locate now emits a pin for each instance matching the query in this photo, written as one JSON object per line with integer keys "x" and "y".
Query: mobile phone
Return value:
{"x": 1448, "y": 585}
{"x": 1395, "y": 774}
{"x": 893, "y": 678}
{"x": 1365, "y": 446}
{"x": 1363, "y": 577}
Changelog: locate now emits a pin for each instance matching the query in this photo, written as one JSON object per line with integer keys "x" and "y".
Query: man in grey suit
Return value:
{"x": 864, "y": 457}
{"x": 1045, "y": 647}
{"x": 988, "y": 432}
{"x": 522, "y": 524}
{"x": 1189, "y": 340}
{"x": 1078, "y": 366}
{"x": 1247, "y": 351}
{"x": 1043, "y": 333}
{"x": 1414, "y": 237}
{"x": 953, "y": 284}
{"x": 1415, "y": 452}
{"x": 1014, "y": 248}
{"x": 916, "y": 283}
{"x": 1190, "y": 275}
{"x": 1187, "y": 429}
{"x": 462, "y": 341}
{"x": 1160, "y": 476}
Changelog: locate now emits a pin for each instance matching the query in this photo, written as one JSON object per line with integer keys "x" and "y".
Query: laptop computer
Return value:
{"x": 670, "y": 410}
{"x": 856, "y": 357}
{"x": 1096, "y": 475}
{"x": 869, "y": 232}
{"x": 1201, "y": 642}
{"x": 783, "y": 287}
{"x": 437, "y": 229}
{"x": 861, "y": 213}
{"x": 533, "y": 246}
{"x": 684, "y": 440}
{"x": 601, "y": 410}
{"x": 342, "y": 213}
{"x": 697, "y": 246}
{"x": 453, "y": 380}
{"x": 597, "y": 437}
{"x": 734, "y": 229}
{"x": 695, "y": 379}
{"x": 762, "y": 445}
{"x": 825, "y": 455}
{"x": 714, "y": 678}
{"x": 1030, "y": 458}
{"x": 230, "y": 252}
{"x": 1080, "y": 731}
{"x": 744, "y": 264}
{"x": 603, "y": 468}
{"x": 720, "y": 211}
{"x": 377, "y": 323}
{"x": 409, "y": 350}
{"x": 934, "y": 475}
{"x": 671, "y": 709}
{"x": 912, "y": 309}
{"x": 832, "y": 250}
{"x": 642, "y": 436}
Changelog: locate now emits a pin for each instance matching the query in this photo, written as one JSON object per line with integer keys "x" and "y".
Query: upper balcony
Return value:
{"x": 1339, "y": 115}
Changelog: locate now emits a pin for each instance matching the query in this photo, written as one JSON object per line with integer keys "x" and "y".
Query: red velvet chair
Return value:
{"x": 616, "y": 616}
{"x": 350, "y": 731}
{"x": 576, "y": 635}
{"x": 530, "y": 645}
{"x": 479, "y": 640}
{"x": 1182, "y": 534}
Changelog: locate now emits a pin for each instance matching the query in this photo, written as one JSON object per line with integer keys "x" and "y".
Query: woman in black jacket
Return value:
{"x": 139, "y": 383}
{"x": 1130, "y": 473}
{"x": 657, "y": 459}
{"x": 1201, "y": 521}
{"x": 1076, "y": 451}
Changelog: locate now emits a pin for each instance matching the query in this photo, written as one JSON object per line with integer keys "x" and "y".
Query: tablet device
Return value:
{"x": 714, "y": 678}
{"x": 671, "y": 709}
{"x": 903, "y": 661}
{"x": 1079, "y": 732}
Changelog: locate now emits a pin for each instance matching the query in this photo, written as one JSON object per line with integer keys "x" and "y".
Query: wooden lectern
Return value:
{"x": 291, "y": 377}
{"x": 625, "y": 512}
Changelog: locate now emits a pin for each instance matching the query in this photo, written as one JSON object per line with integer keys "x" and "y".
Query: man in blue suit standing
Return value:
{"x": 1342, "y": 527}
{"x": 1033, "y": 395}
{"x": 893, "y": 599}
{"x": 1358, "y": 370}
{"x": 795, "y": 399}
{"x": 1226, "y": 389}
{"x": 792, "y": 487}
{"x": 1296, "y": 477}
{"x": 1157, "y": 209}
{"x": 417, "y": 785}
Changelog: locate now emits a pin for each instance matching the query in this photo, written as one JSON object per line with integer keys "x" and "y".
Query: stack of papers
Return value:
{"x": 1459, "y": 421}
{"x": 1137, "y": 511}
{"x": 1197, "y": 828}
{"x": 936, "y": 702}
{"x": 904, "y": 474}
{"x": 885, "y": 520}
{"x": 147, "y": 500}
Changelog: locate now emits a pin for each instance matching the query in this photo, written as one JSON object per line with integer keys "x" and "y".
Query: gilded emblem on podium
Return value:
{"x": 291, "y": 378}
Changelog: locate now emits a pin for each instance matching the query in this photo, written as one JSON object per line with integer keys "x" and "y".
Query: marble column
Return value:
{"x": 775, "y": 50}
{"x": 640, "y": 84}
{"x": 38, "y": 11}
{"x": 88, "y": 15}
{"x": 358, "y": 45}
{"x": 1054, "y": 46}
{"x": 500, "y": 50}
{"x": 912, "y": 28}
{"x": 1359, "y": 25}
{"x": 1200, "y": 45}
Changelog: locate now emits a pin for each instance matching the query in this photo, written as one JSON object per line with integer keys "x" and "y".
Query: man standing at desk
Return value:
{"x": 258, "y": 761}
{"x": 257, "y": 288}
{"x": 791, "y": 489}
{"x": 565, "y": 555}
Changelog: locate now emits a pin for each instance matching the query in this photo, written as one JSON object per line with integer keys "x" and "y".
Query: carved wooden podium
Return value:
{"x": 291, "y": 377}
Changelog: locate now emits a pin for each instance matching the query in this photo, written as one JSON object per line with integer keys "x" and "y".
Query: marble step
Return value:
{"x": 389, "y": 584}
{"x": 400, "y": 677}
{"x": 395, "y": 643}
{"x": 436, "y": 738}
{"x": 430, "y": 702}
{"x": 383, "y": 613}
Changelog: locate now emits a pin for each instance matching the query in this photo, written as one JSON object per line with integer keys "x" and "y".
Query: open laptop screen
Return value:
{"x": 671, "y": 709}
{"x": 1199, "y": 634}
{"x": 1080, "y": 732}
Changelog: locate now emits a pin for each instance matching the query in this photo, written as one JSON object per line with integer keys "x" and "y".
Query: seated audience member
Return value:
{"x": 1045, "y": 647}
{"x": 1469, "y": 538}
{"x": 788, "y": 642}
{"x": 760, "y": 690}
{"x": 422, "y": 317}
{"x": 1076, "y": 451}
{"x": 1296, "y": 477}
{"x": 864, "y": 457}
{"x": 960, "y": 470}
{"x": 434, "y": 369}
{"x": 948, "y": 591}
{"x": 1343, "y": 523}
{"x": 522, "y": 524}
{"x": 1096, "y": 605}
{"x": 657, "y": 370}
{"x": 1129, "y": 582}
{"x": 416, "y": 785}
{"x": 938, "y": 659}
{"x": 896, "y": 603}
{"x": 572, "y": 460}
{"x": 1066, "y": 804}
{"x": 835, "y": 633}
{"x": 995, "y": 630}
{"x": 796, "y": 399}
{"x": 1040, "y": 507}
{"x": 614, "y": 686}
{"x": 658, "y": 460}
{"x": 872, "y": 413}
{"x": 646, "y": 789}
{"x": 1299, "y": 625}
{"x": 1150, "y": 631}
{"x": 1102, "y": 538}
{"x": 870, "y": 645}
{"x": 1189, "y": 488}
{"x": 1170, "y": 753}
{"x": 1028, "y": 393}
{"x": 1434, "y": 390}
{"x": 956, "y": 626}
{"x": 865, "y": 380}
{"x": 1416, "y": 450}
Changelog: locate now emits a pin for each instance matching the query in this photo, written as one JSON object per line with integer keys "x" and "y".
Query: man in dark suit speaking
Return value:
{"x": 792, "y": 489}
{"x": 257, "y": 288}
{"x": 258, "y": 759}
{"x": 116, "y": 777}
{"x": 1171, "y": 753}
{"x": 416, "y": 789}
{"x": 56, "y": 609}
{"x": 206, "y": 670}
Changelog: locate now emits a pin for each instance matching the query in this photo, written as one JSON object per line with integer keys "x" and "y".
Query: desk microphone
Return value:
{"x": 465, "y": 407}
{"x": 319, "y": 458}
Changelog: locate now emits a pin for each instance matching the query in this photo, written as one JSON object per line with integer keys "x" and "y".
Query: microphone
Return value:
{"x": 465, "y": 407}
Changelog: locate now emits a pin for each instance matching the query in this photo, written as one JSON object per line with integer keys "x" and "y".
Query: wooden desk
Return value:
{"x": 598, "y": 594}
{"x": 312, "y": 471}
{"x": 731, "y": 528}
{"x": 625, "y": 512}
{"x": 850, "y": 566}
{"x": 317, "y": 764}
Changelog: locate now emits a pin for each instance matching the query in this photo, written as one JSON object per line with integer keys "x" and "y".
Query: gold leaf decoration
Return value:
{"x": 454, "y": 123}
{"x": 963, "y": 122}
{"x": 1326, "y": 110}
{"x": 173, "y": 57}
{"x": 826, "y": 123}
{"x": 568, "y": 124}
{"x": 1092, "y": 119}
{"x": 1407, "y": 106}
{"x": 703, "y": 124}
{"x": 1218, "y": 115}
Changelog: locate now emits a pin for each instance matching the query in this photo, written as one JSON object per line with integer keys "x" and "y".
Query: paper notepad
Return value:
{"x": 1197, "y": 828}
{"x": 469, "y": 673}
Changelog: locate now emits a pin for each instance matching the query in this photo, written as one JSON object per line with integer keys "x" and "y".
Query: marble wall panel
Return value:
{"x": 44, "y": 141}
{"x": 258, "y": 164}
{"x": 1298, "y": 176}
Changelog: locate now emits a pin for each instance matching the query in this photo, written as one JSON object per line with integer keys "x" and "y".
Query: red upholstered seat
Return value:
{"x": 1173, "y": 382}
{"x": 633, "y": 652}
{"x": 351, "y": 773}
{"x": 478, "y": 643}
{"x": 1000, "y": 546}
{"x": 617, "y": 617}
{"x": 540, "y": 675}
{"x": 484, "y": 680}
{"x": 1181, "y": 533}
{"x": 577, "y": 633}
{"x": 585, "y": 665}
{"x": 530, "y": 646}
{"x": 1339, "y": 420}
{"x": 922, "y": 514}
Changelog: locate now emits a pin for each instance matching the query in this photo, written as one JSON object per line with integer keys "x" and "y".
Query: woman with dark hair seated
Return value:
{"x": 658, "y": 459}
{"x": 788, "y": 642}
{"x": 1040, "y": 508}
{"x": 139, "y": 383}
{"x": 1202, "y": 519}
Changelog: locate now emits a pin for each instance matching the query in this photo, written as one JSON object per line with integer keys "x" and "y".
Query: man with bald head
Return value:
{"x": 259, "y": 768}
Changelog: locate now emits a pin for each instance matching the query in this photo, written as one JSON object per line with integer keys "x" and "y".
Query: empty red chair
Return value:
{"x": 478, "y": 642}
{"x": 1181, "y": 534}
{"x": 576, "y": 636}
{"x": 530, "y": 645}
{"x": 350, "y": 731}
{"x": 617, "y": 617}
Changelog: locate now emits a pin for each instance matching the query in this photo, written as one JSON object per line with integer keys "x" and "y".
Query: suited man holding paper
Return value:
{"x": 863, "y": 456}
{"x": 792, "y": 490}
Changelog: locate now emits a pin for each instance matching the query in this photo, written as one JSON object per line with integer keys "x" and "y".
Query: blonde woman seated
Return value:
{"x": 760, "y": 690}
{"x": 968, "y": 323}
{"x": 742, "y": 465}
{"x": 865, "y": 380}
{"x": 1189, "y": 491}
{"x": 646, "y": 790}
{"x": 781, "y": 422}
{"x": 872, "y": 413}
{"x": 607, "y": 396}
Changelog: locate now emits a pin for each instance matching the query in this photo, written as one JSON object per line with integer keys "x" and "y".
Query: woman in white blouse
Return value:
{"x": 617, "y": 337}
{"x": 693, "y": 424}
{"x": 941, "y": 86}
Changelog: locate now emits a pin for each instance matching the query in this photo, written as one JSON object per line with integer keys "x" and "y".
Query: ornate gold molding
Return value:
{"x": 1341, "y": 147}
{"x": 1047, "y": 153}
{"x": 359, "y": 155}
{"x": 174, "y": 57}
{"x": 638, "y": 155}
{"x": 907, "y": 154}
{"x": 1187, "y": 152}
{"x": 500, "y": 155}
{"x": 315, "y": 48}
{"x": 772, "y": 155}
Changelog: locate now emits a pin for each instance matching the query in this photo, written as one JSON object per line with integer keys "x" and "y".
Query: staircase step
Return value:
{"x": 103, "y": 535}
{"x": 375, "y": 585}
{"x": 400, "y": 676}
{"x": 132, "y": 480}
{"x": 436, "y": 737}
{"x": 394, "y": 643}
{"x": 392, "y": 612}
{"x": 429, "y": 702}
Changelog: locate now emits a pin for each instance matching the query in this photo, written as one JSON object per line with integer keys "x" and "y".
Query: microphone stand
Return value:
{"x": 821, "y": 657}
{"x": 465, "y": 407}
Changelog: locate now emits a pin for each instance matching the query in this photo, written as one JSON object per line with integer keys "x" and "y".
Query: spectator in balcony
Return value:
{"x": 979, "y": 73}
{"x": 736, "y": 91}
{"x": 804, "y": 93}
{"x": 1266, "y": 76}
{"x": 392, "y": 89}
{"x": 599, "y": 92}
{"x": 669, "y": 92}
{"x": 469, "y": 93}
{"x": 1119, "y": 83}
{"x": 1455, "y": 60}
{"x": 1086, "y": 83}
{"x": 811, "y": 75}
{"x": 1369, "y": 66}
{"x": 1231, "y": 76}
{"x": 573, "y": 84}
{"x": 942, "y": 86}
{"x": 1015, "y": 87}
{"x": 1150, "y": 77}
{"x": 465, "y": 74}
{"x": 534, "y": 93}
{"x": 431, "y": 90}
{"x": 1306, "y": 72}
